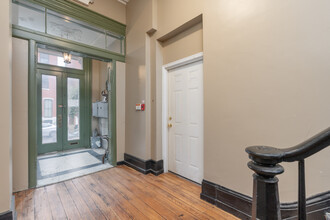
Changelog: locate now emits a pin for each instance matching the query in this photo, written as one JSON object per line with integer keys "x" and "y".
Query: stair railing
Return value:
{"x": 265, "y": 164}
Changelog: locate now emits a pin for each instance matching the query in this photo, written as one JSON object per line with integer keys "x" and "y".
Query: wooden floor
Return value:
{"x": 117, "y": 193}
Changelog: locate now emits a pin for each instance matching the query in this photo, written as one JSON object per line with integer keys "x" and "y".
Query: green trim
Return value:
{"x": 46, "y": 18}
{"x": 88, "y": 95}
{"x": 32, "y": 121}
{"x": 113, "y": 119}
{"x": 83, "y": 14}
{"x": 88, "y": 80}
{"x": 61, "y": 69}
{"x": 47, "y": 39}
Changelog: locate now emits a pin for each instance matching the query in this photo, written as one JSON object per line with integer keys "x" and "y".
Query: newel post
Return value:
{"x": 266, "y": 203}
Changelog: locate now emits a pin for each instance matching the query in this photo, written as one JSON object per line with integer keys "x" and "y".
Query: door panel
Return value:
{"x": 60, "y": 111}
{"x": 186, "y": 116}
{"x": 75, "y": 116}
{"x": 50, "y": 111}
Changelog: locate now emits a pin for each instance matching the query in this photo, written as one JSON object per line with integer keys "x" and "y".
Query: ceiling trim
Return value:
{"x": 123, "y": 1}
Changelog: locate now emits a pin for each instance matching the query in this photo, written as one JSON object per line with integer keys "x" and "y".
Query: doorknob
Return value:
{"x": 170, "y": 125}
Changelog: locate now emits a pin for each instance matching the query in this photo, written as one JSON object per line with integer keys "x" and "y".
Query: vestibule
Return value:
{"x": 50, "y": 119}
{"x": 265, "y": 81}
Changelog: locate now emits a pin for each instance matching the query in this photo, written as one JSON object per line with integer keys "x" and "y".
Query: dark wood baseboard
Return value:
{"x": 6, "y": 215}
{"x": 143, "y": 166}
{"x": 120, "y": 163}
{"x": 241, "y": 205}
{"x": 228, "y": 200}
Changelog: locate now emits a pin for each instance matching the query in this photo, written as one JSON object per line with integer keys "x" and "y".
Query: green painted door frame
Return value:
{"x": 33, "y": 103}
{"x": 112, "y": 111}
{"x": 93, "y": 18}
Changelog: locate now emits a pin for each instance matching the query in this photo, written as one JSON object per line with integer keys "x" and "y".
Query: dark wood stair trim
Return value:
{"x": 240, "y": 205}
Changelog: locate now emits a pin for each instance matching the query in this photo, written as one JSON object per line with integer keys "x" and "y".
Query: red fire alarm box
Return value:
{"x": 140, "y": 107}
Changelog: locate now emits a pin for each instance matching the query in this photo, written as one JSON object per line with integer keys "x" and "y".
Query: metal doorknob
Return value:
{"x": 170, "y": 125}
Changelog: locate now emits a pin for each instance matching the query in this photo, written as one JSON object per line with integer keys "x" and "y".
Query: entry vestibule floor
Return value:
{"x": 117, "y": 193}
{"x": 61, "y": 166}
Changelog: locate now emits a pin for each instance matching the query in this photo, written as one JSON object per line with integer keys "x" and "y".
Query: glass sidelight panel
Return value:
{"x": 49, "y": 117}
{"x": 73, "y": 116}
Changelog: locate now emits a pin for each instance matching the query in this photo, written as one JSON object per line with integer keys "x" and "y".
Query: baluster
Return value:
{"x": 266, "y": 165}
{"x": 266, "y": 202}
{"x": 302, "y": 191}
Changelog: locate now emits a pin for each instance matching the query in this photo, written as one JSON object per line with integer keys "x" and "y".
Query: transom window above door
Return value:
{"x": 56, "y": 58}
{"x": 43, "y": 20}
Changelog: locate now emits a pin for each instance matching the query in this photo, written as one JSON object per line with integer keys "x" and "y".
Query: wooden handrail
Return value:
{"x": 265, "y": 163}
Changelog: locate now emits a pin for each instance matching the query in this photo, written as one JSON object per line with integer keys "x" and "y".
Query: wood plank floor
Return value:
{"x": 117, "y": 193}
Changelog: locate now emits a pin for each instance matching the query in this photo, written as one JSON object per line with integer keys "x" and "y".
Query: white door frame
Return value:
{"x": 165, "y": 70}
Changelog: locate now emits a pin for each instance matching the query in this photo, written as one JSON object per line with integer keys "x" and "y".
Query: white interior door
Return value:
{"x": 185, "y": 121}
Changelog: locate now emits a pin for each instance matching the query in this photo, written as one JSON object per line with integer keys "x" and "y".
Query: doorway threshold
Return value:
{"x": 60, "y": 166}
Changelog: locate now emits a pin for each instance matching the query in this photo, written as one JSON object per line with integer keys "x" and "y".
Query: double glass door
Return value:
{"x": 61, "y": 111}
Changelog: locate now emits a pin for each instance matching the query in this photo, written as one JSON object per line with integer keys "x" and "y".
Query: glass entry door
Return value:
{"x": 60, "y": 111}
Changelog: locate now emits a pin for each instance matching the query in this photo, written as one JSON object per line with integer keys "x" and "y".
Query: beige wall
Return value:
{"x": 109, "y": 8}
{"x": 265, "y": 78}
{"x": 172, "y": 13}
{"x": 139, "y": 21}
{"x": 20, "y": 69}
{"x": 6, "y": 115}
{"x": 144, "y": 53}
{"x": 184, "y": 44}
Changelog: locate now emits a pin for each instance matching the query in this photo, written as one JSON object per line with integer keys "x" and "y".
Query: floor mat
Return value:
{"x": 53, "y": 168}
